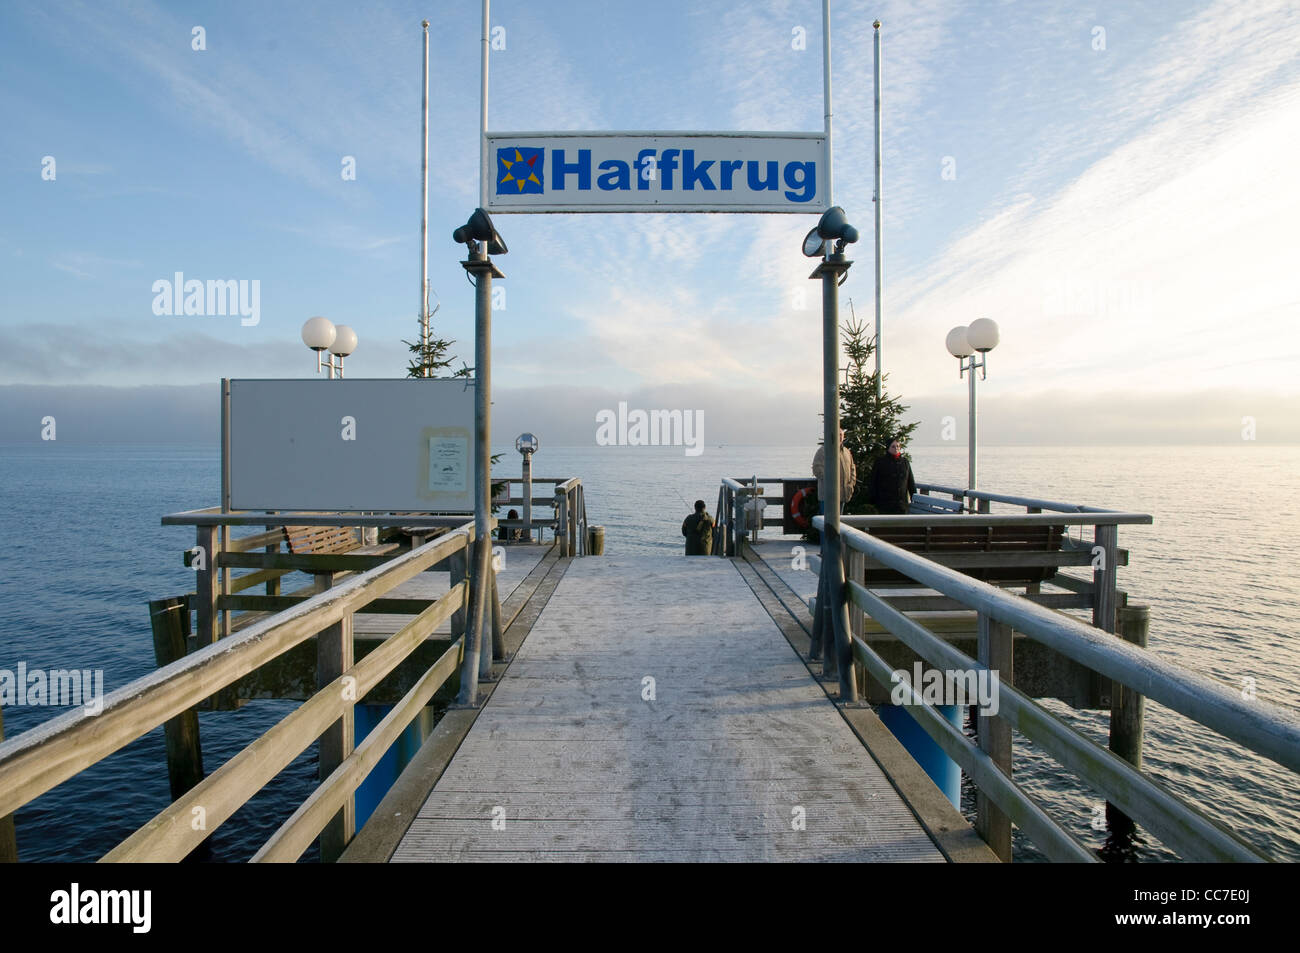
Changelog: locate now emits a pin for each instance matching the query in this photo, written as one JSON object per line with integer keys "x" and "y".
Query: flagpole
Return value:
{"x": 826, "y": 98}
{"x": 483, "y": 116}
{"x": 424, "y": 202}
{"x": 879, "y": 279}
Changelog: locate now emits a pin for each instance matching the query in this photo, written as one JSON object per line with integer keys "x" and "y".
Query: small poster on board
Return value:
{"x": 448, "y": 463}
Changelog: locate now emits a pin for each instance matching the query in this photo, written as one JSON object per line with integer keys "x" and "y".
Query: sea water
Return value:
{"x": 83, "y": 552}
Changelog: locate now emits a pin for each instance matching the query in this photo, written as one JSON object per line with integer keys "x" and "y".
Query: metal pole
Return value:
{"x": 424, "y": 204}
{"x": 832, "y": 562}
{"x": 879, "y": 266}
{"x": 826, "y": 98}
{"x": 528, "y": 496}
{"x": 483, "y": 116}
{"x": 476, "y": 638}
{"x": 970, "y": 449}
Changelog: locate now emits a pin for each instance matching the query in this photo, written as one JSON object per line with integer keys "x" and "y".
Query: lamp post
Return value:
{"x": 964, "y": 342}
{"x": 527, "y": 445}
{"x": 827, "y": 241}
{"x": 481, "y": 240}
{"x": 322, "y": 334}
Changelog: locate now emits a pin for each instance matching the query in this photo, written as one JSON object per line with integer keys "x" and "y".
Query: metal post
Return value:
{"x": 879, "y": 248}
{"x": 483, "y": 115}
{"x": 826, "y": 98}
{"x": 483, "y": 271}
{"x": 528, "y": 495}
{"x": 970, "y": 439}
{"x": 424, "y": 204}
{"x": 830, "y": 272}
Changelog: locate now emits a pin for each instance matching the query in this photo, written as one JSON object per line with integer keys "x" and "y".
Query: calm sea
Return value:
{"x": 84, "y": 552}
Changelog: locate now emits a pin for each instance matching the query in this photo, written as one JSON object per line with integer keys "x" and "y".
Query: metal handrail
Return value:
{"x": 1263, "y": 728}
{"x": 1025, "y": 501}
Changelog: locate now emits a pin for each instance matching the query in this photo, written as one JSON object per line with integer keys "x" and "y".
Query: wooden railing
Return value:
{"x": 36, "y": 761}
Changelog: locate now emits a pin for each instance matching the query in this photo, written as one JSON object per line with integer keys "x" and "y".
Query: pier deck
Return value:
{"x": 736, "y": 754}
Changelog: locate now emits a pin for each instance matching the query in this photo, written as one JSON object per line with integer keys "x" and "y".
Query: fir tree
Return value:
{"x": 869, "y": 425}
{"x": 428, "y": 359}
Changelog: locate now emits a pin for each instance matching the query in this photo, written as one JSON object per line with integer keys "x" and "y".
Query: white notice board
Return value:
{"x": 402, "y": 445}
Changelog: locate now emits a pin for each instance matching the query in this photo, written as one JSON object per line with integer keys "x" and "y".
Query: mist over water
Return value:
{"x": 1220, "y": 569}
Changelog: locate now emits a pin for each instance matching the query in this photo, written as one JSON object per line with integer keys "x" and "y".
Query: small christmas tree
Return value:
{"x": 431, "y": 357}
{"x": 868, "y": 423}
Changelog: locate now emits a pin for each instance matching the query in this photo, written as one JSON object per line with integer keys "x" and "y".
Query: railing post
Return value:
{"x": 272, "y": 585}
{"x": 738, "y": 523}
{"x": 996, "y": 652}
{"x": 334, "y": 658}
{"x": 562, "y": 531}
{"x": 819, "y": 615}
{"x": 572, "y": 498}
{"x": 498, "y": 633}
{"x": 1105, "y": 576}
{"x": 724, "y": 521}
{"x": 458, "y": 568}
{"x": 1127, "y": 711}
{"x": 8, "y": 836}
{"x": 484, "y": 576}
{"x": 471, "y": 664}
{"x": 170, "y": 621}
{"x": 206, "y": 585}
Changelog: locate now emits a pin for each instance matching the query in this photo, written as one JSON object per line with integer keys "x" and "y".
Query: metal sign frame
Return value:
{"x": 722, "y": 146}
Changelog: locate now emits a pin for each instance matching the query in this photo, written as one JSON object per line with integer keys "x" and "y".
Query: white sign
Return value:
{"x": 400, "y": 445}
{"x": 655, "y": 172}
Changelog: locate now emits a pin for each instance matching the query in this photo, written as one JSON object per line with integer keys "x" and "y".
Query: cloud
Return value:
{"x": 78, "y": 263}
{"x": 733, "y": 416}
{"x": 60, "y": 354}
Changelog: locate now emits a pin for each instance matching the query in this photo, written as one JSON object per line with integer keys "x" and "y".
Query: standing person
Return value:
{"x": 698, "y": 530}
{"x": 892, "y": 484}
{"x": 848, "y": 475}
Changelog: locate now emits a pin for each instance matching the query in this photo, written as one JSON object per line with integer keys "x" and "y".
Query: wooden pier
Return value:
{"x": 656, "y": 712}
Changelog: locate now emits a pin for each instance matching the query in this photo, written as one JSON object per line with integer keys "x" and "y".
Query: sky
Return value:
{"x": 1113, "y": 183}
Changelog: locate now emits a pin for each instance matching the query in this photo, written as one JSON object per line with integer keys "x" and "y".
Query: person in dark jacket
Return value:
{"x": 698, "y": 530}
{"x": 892, "y": 484}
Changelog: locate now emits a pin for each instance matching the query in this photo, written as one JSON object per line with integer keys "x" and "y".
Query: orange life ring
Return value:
{"x": 796, "y": 507}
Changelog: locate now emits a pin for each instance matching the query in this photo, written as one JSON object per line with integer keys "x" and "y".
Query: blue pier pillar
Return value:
{"x": 942, "y": 770}
{"x": 398, "y": 756}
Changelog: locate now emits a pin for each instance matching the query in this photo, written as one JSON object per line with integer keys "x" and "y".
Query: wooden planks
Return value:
{"x": 731, "y": 753}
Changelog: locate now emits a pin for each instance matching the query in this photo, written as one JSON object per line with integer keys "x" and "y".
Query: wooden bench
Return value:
{"x": 1007, "y": 555}
{"x": 329, "y": 541}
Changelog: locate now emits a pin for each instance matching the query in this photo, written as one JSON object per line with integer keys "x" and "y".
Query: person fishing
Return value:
{"x": 698, "y": 530}
{"x": 892, "y": 483}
